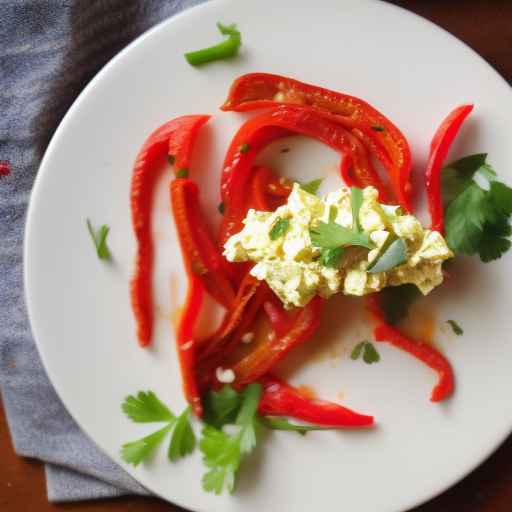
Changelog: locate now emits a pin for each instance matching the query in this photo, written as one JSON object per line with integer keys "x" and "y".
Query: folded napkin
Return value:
{"x": 48, "y": 52}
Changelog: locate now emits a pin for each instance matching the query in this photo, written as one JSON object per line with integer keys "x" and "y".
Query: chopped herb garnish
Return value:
{"x": 332, "y": 235}
{"x": 99, "y": 239}
{"x": 476, "y": 219}
{"x": 395, "y": 254}
{"x": 145, "y": 407}
{"x": 370, "y": 354}
{"x": 333, "y": 213}
{"x": 356, "y": 203}
{"x": 224, "y": 50}
{"x": 182, "y": 173}
{"x": 312, "y": 186}
{"x": 279, "y": 228}
{"x": 331, "y": 257}
{"x": 221, "y": 208}
{"x": 378, "y": 128}
{"x": 171, "y": 159}
{"x": 244, "y": 148}
{"x": 456, "y": 328}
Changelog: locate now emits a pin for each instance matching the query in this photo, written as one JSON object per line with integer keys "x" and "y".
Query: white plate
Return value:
{"x": 79, "y": 306}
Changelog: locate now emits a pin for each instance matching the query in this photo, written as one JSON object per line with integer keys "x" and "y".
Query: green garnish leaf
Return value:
{"x": 356, "y": 202}
{"x": 183, "y": 439}
{"x": 221, "y": 208}
{"x": 378, "y": 128}
{"x": 244, "y": 148}
{"x": 279, "y": 228}
{"x": 370, "y": 355}
{"x": 332, "y": 235}
{"x": 182, "y": 173}
{"x": 171, "y": 159}
{"x": 221, "y": 407}
{"x": 312, "y": 186}
{"x": 331, "y": 257}
{"x": 224, "y": 50}
{"x": 145, "y": 407}
{"x": 476, "y": 220}
{"x": 333, "y": 213}
{"x": 274, "y": 423}
{"x": 456, "y": 328}
{"x": 222, "y": 452}
{"x": 137, "y": 451}
{"x": 356, "y": 352}
{"x": 100, "y": 240}
{"x": 395, "y": 301}
{"x": 394, "y": 255}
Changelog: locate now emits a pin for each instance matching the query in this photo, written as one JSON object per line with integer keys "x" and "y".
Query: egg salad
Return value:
{"x": 296, "y": 253}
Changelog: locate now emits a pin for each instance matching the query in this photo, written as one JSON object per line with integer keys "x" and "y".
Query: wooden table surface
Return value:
{"x": 486, "y": 25}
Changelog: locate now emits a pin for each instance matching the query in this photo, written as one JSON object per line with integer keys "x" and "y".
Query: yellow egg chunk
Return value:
{"x": 280, "y": 244}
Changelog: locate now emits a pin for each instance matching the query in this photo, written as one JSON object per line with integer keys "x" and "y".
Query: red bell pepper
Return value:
{"x": 176, "y": 138}
{"x": 426, "y": 354}
{"x": 281, "y": 320}
{"x": 237, "y": 173}
{"x": 259, "y": 90}
{"x": 281, "y": 399}
{"x": 268, "y": 191}
{"x": 439, "y": 148}
{"x": 200, "y": 254}
{"x": 267, "y": 354}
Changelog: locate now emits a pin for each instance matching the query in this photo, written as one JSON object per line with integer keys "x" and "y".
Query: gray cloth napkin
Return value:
{"x": 49, "y": 50}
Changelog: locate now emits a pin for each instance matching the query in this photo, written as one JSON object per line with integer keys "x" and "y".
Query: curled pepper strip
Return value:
{"x": 439, "y": 147}
{"x": 267, "y": 190}
{"x": 294, "y": 119}
{"x": 281, "y": 399}
{"x": 267, "y": 354}
{"x": 426, "y": 354}
{"x": 178, "y": 136}
{"x": 260, "y": 90}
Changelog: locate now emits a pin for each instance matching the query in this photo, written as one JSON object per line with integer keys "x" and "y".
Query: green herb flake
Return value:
{"x": 99, "y": 239}
{"x": 311, "y": 187}
{"x": 331, "y": 257}
{"x": 221, "y": 208}
{"x": 244, "y": 148}
{"x": 378, "y": 128}
{"x": 356, "y": 352}
{"x": 171, "y": 159}
{"x": 369, "y": 352}
{"x": 182, "y": 173}
{"x": 356, "y": 203}
{"x": 279, "y": 228}
{"x": 456, "y": 328}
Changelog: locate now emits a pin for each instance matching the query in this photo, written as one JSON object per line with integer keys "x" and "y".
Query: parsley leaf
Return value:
{"x": 370, "y": 354}
{"x": 221, "y": 407}
{"x": 332, "y": 235}
{"x": 502, "y": 197}
{"x": 145, "y": 407}
{"x": 279, "y": 228}
{"x": 331, "y": 257}
{"x": 356, "y": 203}
{"x": 137, "y": 451}
{"x": 395, "y": 254}
{"x": 396, "y": 300}
{"x": 183, "y": 439}
{"x": 222, "y": 452}
{"x": 100, "y": 240}
{"x": 356, "y": 352}
{"x": 312, "y": 186}
{"x": 456, "y": 328}
{"x": 274, "y": 423}
{"x": 494, "y": 242}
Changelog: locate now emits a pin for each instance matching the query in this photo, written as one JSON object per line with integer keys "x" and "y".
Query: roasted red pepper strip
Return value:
{"x": 297, "y": 120}
{"x": 258, "y": 90}
{"x": 439, "y": 148}
{"x": 281, "y": 399}
{"x": 281, "y": 320}
{"x": 186, "y": 342}
{"x": 267, "y": 354}
{"x": 426, "y": 354}
{"x": 200, "y": 254}
{"x": 268, "y": 191}
{"x": 178, "y": 134}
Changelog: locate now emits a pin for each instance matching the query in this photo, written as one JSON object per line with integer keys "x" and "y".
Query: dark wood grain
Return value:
{"x": 486, "y": 26}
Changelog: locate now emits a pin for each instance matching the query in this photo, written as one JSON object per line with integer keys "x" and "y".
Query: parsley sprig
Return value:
{"x": 145, "y": 407}
{"x": 370, "y": 354}
{"x": 99, "y": 239}
{"x": 477, "y": 218}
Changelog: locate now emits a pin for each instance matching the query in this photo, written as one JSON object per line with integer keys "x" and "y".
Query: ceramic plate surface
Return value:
{"x": 79, "y": 307}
